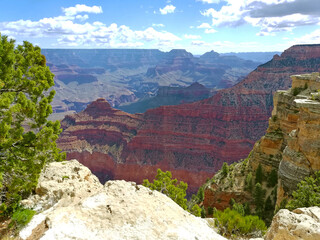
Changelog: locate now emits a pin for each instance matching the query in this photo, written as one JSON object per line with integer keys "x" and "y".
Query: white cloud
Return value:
{"x": 189, "y": 36}
{"x": 269, "y": 15}
{"x": 198, "y": 43}
{"x": 80, "y": 8}
{"x": 208, "y": 1}
{"x": 157, "y": 25}
{"x": 210, "y": 30}
{"x": 72, "y": 29}
{"x": 204, "y": 25}
{"x": 167, "y": 9}
{"x": 311, "y": 38}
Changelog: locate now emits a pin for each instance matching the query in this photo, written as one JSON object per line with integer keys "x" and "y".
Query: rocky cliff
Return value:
{"x": 290, "y": 148}
{"x": 193, "y": 140}
{"x": 72, "y": 204}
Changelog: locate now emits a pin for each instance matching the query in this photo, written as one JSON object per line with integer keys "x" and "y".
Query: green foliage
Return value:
{"x": 225, "y": 169}
{"x": 21, "y": 217}
{"x": 248, "y": 182}
{"x": 296, "y": 90}
{"x": 272, "y": 178}
{"x": 170, "y": 187}
{"x": 259, "y": 195}
{"x": 239, "y": 208}
{"x": 210, "y": 211}
{"x": 259, "y": 174}
{"x": 27, "y": 139}
{"x": 307, "y": 194}
{"x": 231, "y": 222}
{"x": 196, "y": 210}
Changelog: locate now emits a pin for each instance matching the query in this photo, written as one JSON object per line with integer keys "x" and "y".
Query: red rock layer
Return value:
{"x": 191, "y": 139}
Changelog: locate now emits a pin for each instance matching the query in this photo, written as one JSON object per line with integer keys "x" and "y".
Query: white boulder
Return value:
{"x": 117, "y": 210}
{"x": 300, "y": 224}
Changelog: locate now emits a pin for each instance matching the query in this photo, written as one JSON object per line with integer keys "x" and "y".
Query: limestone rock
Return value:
{"x": 118, "y": 210}
{"x": 301, "y": 223}
{"x": 59, "y": 180}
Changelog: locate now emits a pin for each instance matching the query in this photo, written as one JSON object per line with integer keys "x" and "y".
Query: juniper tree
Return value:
{"x": 27, "y": 139}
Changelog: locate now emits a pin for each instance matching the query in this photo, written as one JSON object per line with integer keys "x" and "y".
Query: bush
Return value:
{"x": 21, "y": 217}
{"x": 230, "y": 222}
{"x": 170, "y": 187}
{"x": 272, "y": 178}
{"x": 307, "y": 194}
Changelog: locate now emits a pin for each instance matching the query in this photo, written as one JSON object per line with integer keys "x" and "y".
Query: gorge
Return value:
{"x": 191, "y": 140}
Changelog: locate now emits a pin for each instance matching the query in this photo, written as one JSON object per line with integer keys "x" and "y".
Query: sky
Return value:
{"x": 198, "y": 26}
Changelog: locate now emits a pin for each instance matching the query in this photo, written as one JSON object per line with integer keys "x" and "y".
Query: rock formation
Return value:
{"x": 191, "y": 140}
{"x": 123, "y": 76}
{"x": 72, "y": 204}
{"x": 290, "y": 147}
{"x": 301, "y": 223}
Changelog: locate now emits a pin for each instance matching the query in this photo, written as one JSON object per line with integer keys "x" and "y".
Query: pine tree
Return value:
{"x": 259, "y": 174}
{"x": 259, "y": 194}
{"x": 27, "y": 139}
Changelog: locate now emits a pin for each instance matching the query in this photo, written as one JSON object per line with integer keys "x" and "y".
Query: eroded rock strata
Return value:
{"x": 191, "y": 140}
{"x": 290, "y": 147}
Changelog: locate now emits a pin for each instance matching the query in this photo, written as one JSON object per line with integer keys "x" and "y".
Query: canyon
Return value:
{"x": 191, "y": 140}
{"x": 124, "y": 76}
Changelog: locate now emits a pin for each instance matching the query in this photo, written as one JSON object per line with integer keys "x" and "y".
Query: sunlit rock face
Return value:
{"x": 191, "y": 140}
{"x": 74, "y": 205}
{"x": 290, "y": 146}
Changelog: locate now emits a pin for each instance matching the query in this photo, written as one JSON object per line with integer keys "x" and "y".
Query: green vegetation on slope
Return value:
{"x": 307, "y": 194}
{"x": 177, "y": 191}
{"x": 27, "y": 139}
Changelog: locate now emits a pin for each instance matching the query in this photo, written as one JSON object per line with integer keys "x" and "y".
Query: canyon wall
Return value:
{"x": 191, "y": 140}
{"x": 290, "y": 147}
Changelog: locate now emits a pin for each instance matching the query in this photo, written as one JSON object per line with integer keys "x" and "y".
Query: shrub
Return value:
{"x": 248, "y": 182}
{"x": 230, "y": 222}
{"x": 21, "y": 217}
{"x": 259, "y": 174}
{"x": 164, "y": 183}
{"x": 272, "y": 178}
{"x": 307, "y": 194}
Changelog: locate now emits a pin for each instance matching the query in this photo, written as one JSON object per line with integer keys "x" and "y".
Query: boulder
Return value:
{"x": 117, "y": 210}
{"x": 301, "y": 223}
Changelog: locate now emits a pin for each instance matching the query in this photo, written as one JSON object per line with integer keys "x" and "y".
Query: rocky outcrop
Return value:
{"x": 301, "y": 223}
{"x": 117, "y": 210}
{"x": 290, "y": 146}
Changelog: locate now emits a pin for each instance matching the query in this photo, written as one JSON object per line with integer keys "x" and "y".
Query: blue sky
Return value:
{"x": 196, "y": 25}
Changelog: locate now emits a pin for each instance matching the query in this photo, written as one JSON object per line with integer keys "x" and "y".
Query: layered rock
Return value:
{"x": 117, "y": 210}
{"x": 127, "y": 75}
{"x": 192, "y": 140}
{"x": 301, "y": 223}
{"x": 290, "y": 146}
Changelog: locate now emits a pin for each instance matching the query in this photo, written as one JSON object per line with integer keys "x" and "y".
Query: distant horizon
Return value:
{"x": 194, "y": 25}
{"x": 68, "y": 48}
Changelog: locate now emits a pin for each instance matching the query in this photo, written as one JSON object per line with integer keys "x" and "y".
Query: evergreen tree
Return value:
{"x": 259, "y": 174}
{"x": 307, "y": 194}
{"x": 170, "y": 187}
{"x": 225, "y": 169}
{"x": 259, "y": 195}
{"x": 27, "y": 139}
{"x": 272, "y": 178}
